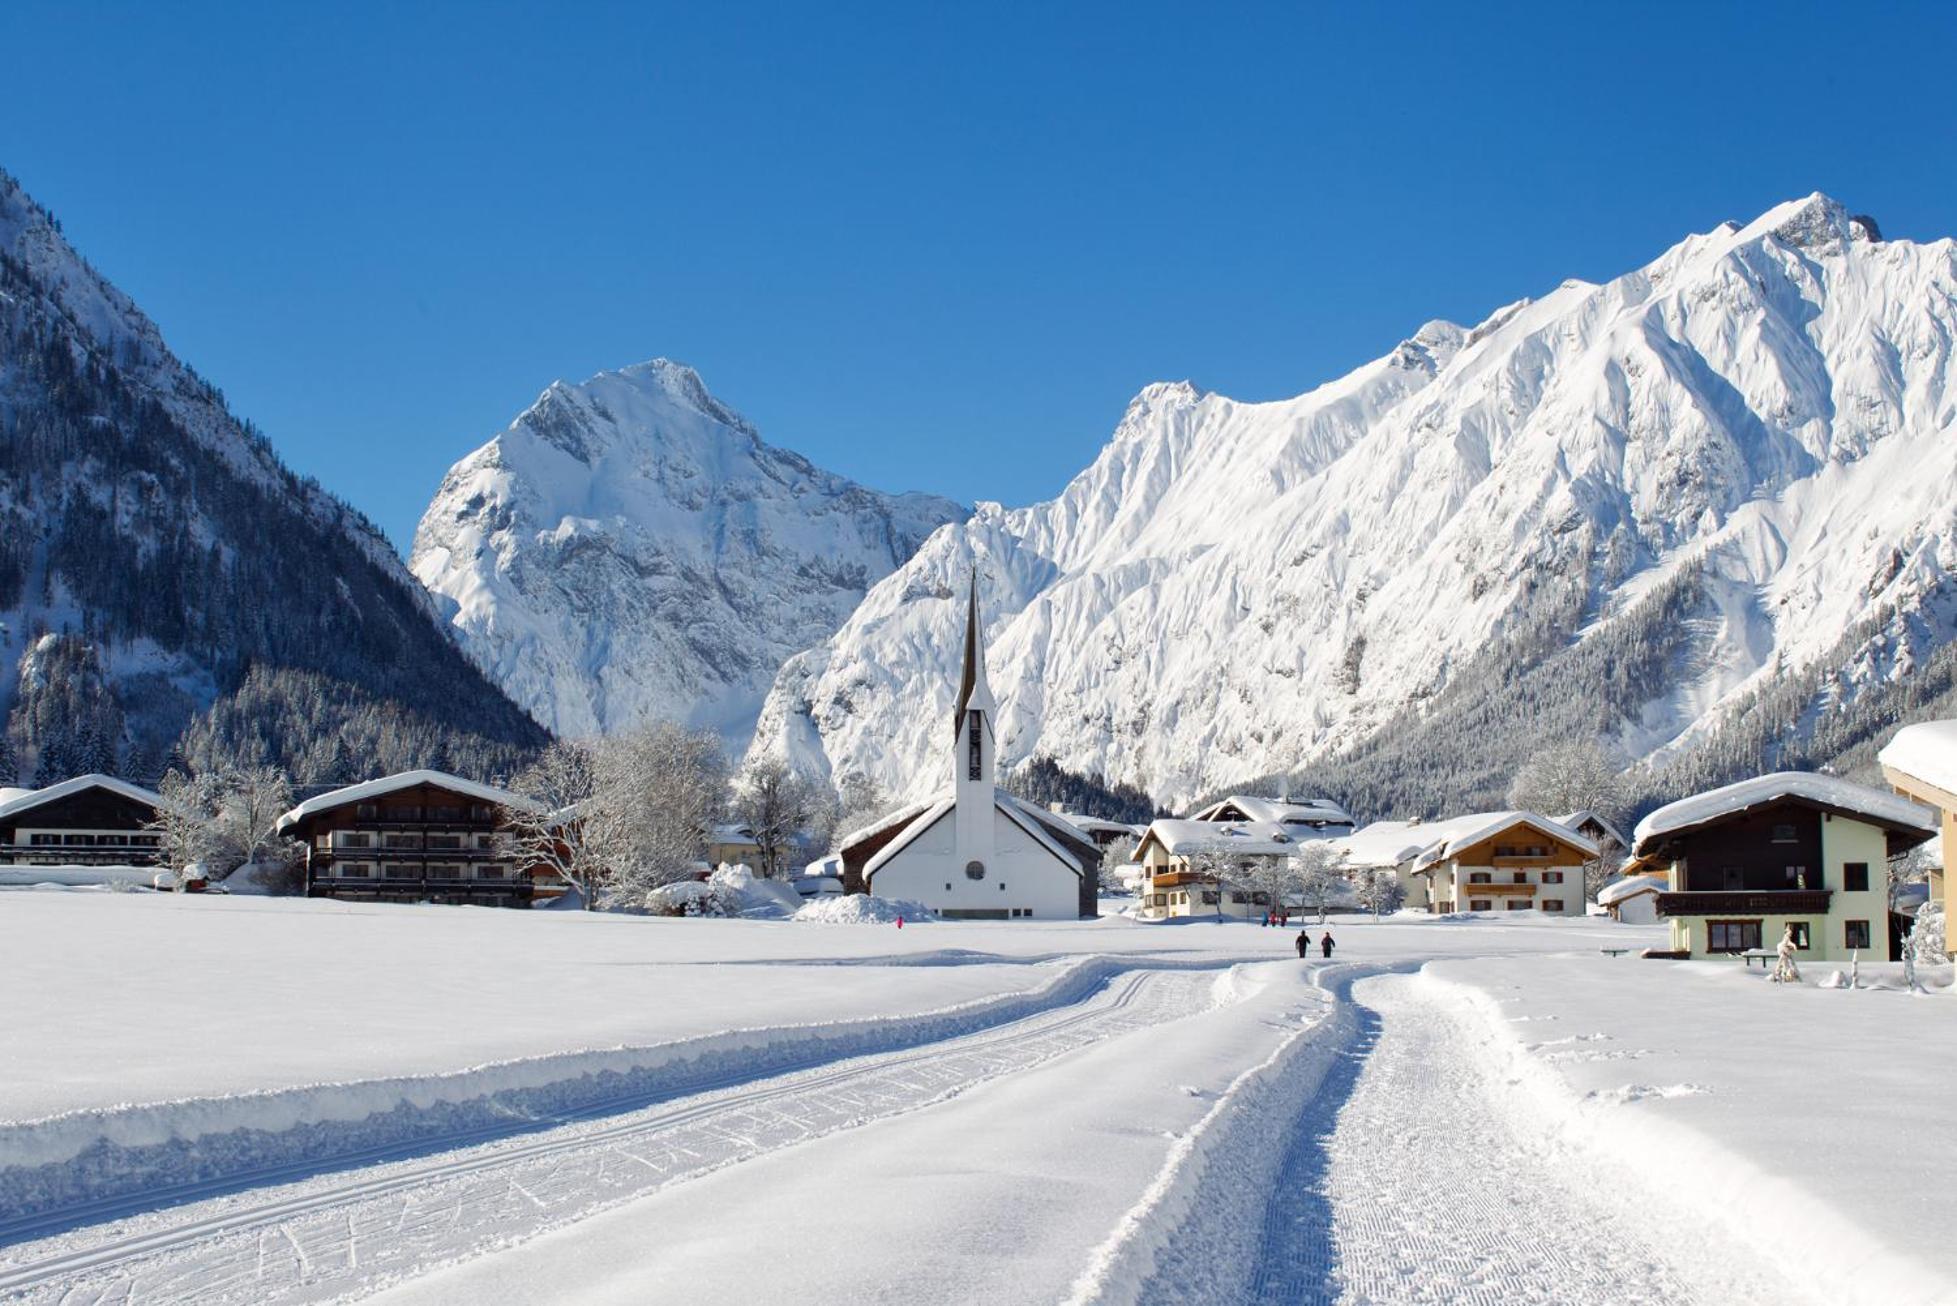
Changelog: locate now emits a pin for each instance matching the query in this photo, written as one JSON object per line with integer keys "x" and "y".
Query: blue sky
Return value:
{"x": 932, "y": 250}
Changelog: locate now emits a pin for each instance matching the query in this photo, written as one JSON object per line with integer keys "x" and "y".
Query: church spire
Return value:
{"x": 973, "y": 691}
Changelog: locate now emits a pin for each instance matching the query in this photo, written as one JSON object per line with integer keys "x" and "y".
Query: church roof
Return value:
{"x": 972, "y": 685}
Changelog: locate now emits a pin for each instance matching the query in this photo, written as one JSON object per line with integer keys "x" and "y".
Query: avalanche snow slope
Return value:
{"x": 1232, "y": 590}
{"x": 630, "y": 548}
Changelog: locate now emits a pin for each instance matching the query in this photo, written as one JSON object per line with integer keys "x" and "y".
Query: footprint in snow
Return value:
{"x": 1640, "y": 1092}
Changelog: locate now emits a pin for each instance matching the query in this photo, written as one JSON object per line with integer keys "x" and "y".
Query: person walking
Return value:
{"x": 900, "y": 922}
{"x": 1326, "y": 943}
{"x": 1304, "y": 944}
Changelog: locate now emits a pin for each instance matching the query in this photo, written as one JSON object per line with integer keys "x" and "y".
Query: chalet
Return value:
{"x": 1796, "y": 849}
{"x": 1205, "y": 868}
{"x": 1315, "y": 818}
{"x": 1597, "y": 830}
{"x": 732, "y": 844}
{"x": 976, "y": 852}
{"x": 1921, "y": 763}
{"x": 91, "y": 820}
{"x": 419, "y": 836}
{"x": 1633, "y": 899}
{"x": 1504, "y": 861}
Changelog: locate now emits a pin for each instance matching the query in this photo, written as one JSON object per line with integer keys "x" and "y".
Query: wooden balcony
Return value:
{"x": 1498, "y": 890}
{"x": 1746, "y": 902}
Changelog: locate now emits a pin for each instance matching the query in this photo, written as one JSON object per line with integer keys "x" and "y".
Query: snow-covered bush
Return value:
{"x": 863, "y": 909}
{"x": 1927, "y": 937}
{"x": 693, "y": 898}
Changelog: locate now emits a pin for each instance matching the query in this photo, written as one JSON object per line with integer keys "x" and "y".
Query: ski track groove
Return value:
{"x": 1413, "y": 1177}
{"x": 215, "y": 1251}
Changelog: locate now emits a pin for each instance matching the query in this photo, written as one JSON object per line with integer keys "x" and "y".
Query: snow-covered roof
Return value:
{"x": 1827, "y": 791}
{"x": 1089, "y": 824}
{"x": 404, "y": 780}
{"x": 1385, "y": 843}
{"x": 923, "y": 817}
{"x": 895, "y": 817}
{"x": 1030, "y": 817}
{"x": 1926, "y": 751}
{"x": 1577, "y": 820}
{"x": 1630, "y": 887}
{"x": 10, "y": 792}
{"x": 1277, "y": 811}
{"x": 1185, "y": 837}
{"x": 731, "y": 832}
{"x": 29, "y": 799}
{"x": 1462, "y": 832}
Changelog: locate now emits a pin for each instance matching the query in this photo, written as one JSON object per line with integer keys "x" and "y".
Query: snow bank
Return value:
{"x": 758, "y": 897}
{"x": 862, "y": 909}
{"x": 1847, "y": 1253}
{"x": 1220, "y": 1174}
{"x": 171, "y": 1148}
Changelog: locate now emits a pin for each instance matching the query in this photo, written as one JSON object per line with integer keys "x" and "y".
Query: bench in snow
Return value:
{"x": 1765, "y": 956}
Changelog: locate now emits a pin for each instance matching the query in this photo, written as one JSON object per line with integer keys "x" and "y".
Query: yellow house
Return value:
{"x": 1180, "y": 861}
{"x": 1921, "y": 762}
{"x": 1797, "y": 850}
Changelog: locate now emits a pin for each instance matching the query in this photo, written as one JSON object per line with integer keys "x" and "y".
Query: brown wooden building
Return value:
{"x": 91, "y": 820}
{"x": 419, "y": 836}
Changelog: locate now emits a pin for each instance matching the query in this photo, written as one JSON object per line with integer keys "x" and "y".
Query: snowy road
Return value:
{"x": 352, "y": 1232}
{"x": 1417, "y": 1174}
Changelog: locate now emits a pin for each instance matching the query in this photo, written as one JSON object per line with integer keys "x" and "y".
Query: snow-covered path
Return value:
{"x": 1417, "y": 1174}
{"x": 356, "y": 1231}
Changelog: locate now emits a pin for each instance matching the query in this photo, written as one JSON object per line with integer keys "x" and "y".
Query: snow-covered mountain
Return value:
{"x": 630, "y": 548}
{"x": 1749, "y": 444}
{"x": 156, "y": 558}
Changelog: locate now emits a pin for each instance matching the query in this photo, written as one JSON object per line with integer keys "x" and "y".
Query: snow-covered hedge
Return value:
{"x": 694, "y": 898}
{"x": 863, "y": 909}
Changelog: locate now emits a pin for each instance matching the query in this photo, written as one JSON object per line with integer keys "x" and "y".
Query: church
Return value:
{"x": 975, "y": 852}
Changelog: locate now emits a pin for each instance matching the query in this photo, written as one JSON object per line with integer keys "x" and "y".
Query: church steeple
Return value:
{"x": 971, "y": 717}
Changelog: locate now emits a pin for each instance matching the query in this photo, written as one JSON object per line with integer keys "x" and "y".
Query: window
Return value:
{"x": 76, "y": 840}
{"x": 1797, "y": 877}
{"x": 975, "y": 770}
{"x": 1552, "y": 904}
{"x": 1479, "y": 877}
{"x": 1855, "y": 878}
{"x": 1518, "y": 904}
{"x": 444, "y": 813}
{"x": 1732, "y": 936}
{"x": 1799, "y": 929}
{"x": 1209, "y": 898}
{"x": 1552, "y": 877}
{"x": 446, "y": 871}
{"x": 45, "y": 840}
{"x": 366, "y": 812}
{"x": 1519, "y": 877}
{"x": 1855, "y": 934}
{"x": 1732, "y": 878}
{"x": 485, "y": 841}
{"x": 1156, "y": 900}
{"x": 1478, "y": 904}
{"x": 445, "y": 841}
{"x": 1785, "y": 834}
{"x": 353, "y": 840}
{"x": 354, "y": 870}
{"x": 401, "y": 841}
{"x": 396, "y": 871}
{"x": 491, "y": 872}
{"x": 975, "y": 870}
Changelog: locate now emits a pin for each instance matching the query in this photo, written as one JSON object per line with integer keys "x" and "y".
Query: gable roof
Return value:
{"x": 1030, "y": 817}
{"x": 1186, "y": 837}
{"x": 93, "y": 780}
{"x": 397, "y": 782}
{"x": 1577, "y": 820}
{"x": 1464, "y": 832}
{"x": 1827, "y": 792}
{"x": 1630, "y": 887}
{"x": 1385, "y": 843}
{"x": 1277, "y": 811}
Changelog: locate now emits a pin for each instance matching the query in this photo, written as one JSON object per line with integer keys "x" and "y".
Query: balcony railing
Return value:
{"x": 1498, "y": 890}
{"x": 1746, "y": 902}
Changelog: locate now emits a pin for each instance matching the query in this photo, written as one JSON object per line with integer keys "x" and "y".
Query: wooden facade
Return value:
{"x": 422, "y": 842}
{"x": 88, "y": 821}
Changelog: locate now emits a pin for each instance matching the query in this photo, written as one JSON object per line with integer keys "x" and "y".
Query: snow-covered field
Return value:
{"x": 263, "y": 1100}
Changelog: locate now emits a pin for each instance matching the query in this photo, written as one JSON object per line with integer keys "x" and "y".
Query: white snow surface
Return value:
{"x": 1232, "y": 590}
{"x": 630, "y": 548}
{"x": 1927, "y": 750}
{"x": 599, "y": 1108}
{"x": 1828, "y": 789}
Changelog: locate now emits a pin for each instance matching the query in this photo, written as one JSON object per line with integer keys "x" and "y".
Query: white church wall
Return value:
{"x": 1021, "y": 874}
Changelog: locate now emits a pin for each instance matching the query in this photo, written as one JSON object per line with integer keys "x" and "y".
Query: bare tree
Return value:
{"x": 1273, "y": 879}
{"x": 223, "y": 821}
{"x": 1563, "y": 778}
{"x": 1116, "y": 855}
{"x": 1380, "y": 890}
{"x": 776, "y": 805}
{"x": 655, "y": 793}
{"x": 861, "y": 803}
{"x": 1217, "y": 866}
{"x": 550, "y": 830}
{"x": 1314, "y": 867}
